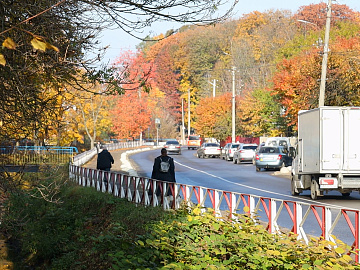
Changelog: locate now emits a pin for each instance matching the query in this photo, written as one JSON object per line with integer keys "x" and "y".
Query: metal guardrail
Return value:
{"x": 35, "y": 155}
{"x": 277, "y": 214}
{"x": 84, "y": 157}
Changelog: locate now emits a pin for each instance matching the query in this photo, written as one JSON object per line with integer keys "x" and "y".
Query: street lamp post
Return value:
{"x": 233, "y": 106}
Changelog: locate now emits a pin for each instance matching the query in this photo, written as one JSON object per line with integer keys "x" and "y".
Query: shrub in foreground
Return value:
{"x": 86, "y": 229}
{"x": 196, "y": 240}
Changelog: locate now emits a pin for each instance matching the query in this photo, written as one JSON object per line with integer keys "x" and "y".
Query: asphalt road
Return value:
{"x": 243, "y": 178}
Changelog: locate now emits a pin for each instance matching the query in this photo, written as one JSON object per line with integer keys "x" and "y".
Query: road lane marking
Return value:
{"x": 266, "y": 191}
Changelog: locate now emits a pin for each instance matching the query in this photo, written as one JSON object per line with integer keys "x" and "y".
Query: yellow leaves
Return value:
{"x": 9, "y": 43}
{"x": 197, "y": 211}
{"x": 39, "y": 43}
{"x": 2, "y": 60}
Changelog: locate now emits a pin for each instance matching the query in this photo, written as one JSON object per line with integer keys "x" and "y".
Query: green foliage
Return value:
{"x": 77, "y": 232}
{"x": 87, "y": 229}
{"x": 198, "y": 241}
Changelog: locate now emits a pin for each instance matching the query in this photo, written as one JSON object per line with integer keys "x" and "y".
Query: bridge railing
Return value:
{"x": 303, "y": 219}
{"x": 84, "y": 157}
{"x": 33, "y": 155}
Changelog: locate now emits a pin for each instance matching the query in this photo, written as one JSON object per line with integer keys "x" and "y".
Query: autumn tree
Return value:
{"x": 259, "y": 115}
{"x": 213, "y": 117}
{"x": 130, "y": 115}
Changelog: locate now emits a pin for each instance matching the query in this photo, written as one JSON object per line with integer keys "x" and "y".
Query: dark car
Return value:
{"x": 173, "y": 147}
{"x": 272, "y": 157}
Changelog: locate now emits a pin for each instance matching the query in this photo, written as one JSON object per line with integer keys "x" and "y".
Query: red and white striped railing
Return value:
{"x": 300, "y": 218}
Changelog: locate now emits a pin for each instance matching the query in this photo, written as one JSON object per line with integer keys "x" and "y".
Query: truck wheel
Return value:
{"x": 294, "y": 191}
{"x": 346, "y": 194}
{"x": 314, "y": 189}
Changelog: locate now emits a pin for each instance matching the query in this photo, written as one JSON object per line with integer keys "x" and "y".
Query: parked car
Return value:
{"x": 272, "y": 157}
{"x": 173, "y": 147}
{"x": 228, "y": 151}
{"x": 257, "y": 151}
{"x": 244, "y": 152}
{"x": 223, "y": 150}
{"x": 209, "y": 150}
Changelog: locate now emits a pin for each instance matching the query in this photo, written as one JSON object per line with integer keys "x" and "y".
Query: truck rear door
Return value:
{"x": 351, "y": 139}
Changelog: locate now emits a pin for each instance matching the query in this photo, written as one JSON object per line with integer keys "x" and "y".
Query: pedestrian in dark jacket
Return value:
{"x": 160, "y": 172}
{"x": 104, "y": 160}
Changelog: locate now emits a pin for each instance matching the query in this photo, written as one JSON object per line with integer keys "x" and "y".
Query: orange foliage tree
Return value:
{"x": 130, "y": 115}
{"x": 213, "y": 117}
{"x": 316, "y": 14}
{"x": 296, "y": 84}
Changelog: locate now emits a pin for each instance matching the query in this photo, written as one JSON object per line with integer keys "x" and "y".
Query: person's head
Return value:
{"x": 163, "y": 152}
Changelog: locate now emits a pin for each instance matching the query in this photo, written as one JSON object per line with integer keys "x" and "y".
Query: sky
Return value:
{"x": 119, "y": 41}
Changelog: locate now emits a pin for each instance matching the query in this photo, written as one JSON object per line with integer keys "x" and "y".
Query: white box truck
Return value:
{"x": 328, "y": 151}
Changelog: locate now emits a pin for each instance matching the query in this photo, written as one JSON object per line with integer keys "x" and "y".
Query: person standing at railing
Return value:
{"x": 164, "y": 169}
{"x": 104, "y": 160}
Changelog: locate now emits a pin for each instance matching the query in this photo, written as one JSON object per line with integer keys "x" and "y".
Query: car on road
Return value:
{"x": 209, "y": 150}
{"x": 272, "y": 157}
{"x": 193, "y": 142}
{"x": 173, "y": 147}
{"x": 228, "y": 151}
{"x": 223, "y": 150}
{"x": 244, "y": 152}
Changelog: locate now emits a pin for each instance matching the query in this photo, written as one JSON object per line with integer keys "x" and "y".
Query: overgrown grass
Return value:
{"x": 86, "y": 229}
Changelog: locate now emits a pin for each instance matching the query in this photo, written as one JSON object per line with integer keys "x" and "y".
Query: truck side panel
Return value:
{"x": 331, "y": 138}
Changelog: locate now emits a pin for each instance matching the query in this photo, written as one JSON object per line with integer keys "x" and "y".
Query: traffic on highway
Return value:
{"x": 225, "y": 175}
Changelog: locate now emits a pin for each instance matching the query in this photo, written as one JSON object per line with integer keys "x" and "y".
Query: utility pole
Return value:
{"x": 182, "y": 122}
{"x": 233, "y": 106}
{"x": 325, "y": 57}
{"x": 188, "y": 112}
{"x": 214, "y": 86}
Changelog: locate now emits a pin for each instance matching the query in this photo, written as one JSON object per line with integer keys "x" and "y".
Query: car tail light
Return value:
{"x": 177, "y": 146}
{"x": 257, "y": 157}
{"x": 229, "y": 151}
{"x": 279, "y": 157}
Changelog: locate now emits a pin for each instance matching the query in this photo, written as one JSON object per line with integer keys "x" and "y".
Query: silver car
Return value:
{"x": 228, "y": 151}
{"x": 245, "y": 152}
{"x": 209, "y": 150}
{"x": 173, "y": 147}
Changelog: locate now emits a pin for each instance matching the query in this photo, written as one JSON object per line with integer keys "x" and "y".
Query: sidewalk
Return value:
{"x": 121, "y": 162}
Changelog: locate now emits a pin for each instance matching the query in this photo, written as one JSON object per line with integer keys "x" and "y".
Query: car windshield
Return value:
{"x": 194, "y": 138}
{"x": 271, "y": 150}
{"x": 212, "y": 145}
{"x": 252, "y": 147}
{"x": 172, "y": 142}
{"x": 234, "y": 145}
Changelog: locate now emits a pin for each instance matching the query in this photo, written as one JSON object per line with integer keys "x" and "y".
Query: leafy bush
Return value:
{"x": 203, "y": 241}
{"x": 82, "y": 228}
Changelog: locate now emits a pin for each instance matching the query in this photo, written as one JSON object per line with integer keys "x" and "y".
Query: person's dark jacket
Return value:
{"x": 104, "y": 160}
{"x": 165, "y": 176}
